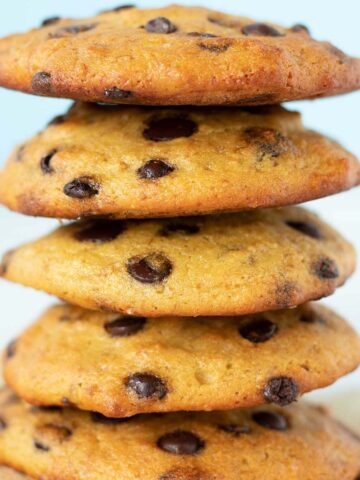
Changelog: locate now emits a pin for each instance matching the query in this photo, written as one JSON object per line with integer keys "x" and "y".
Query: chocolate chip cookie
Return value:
{"x": 231, "y": 264}
{"x": 301, "y": 442}
{"x": 122, "y": 366}
{"x": 172, "y": 162}
{"x": 172, "y": 56}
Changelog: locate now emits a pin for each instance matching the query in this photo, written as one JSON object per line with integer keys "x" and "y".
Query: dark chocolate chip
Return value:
{"x": 115, "y": 93}
{"x": 146, "y": 385}
{"x": 50, "y": 21}
{"x": 310, "y": 316}
{"x": 269, "y": 141}
{"x": 258, "y": 330}
{"x": 98, "y": 418}
{"x": 72, "y": 30}
{"x": 183, "y": 228}
{"x": 154, "y": 169}
{"x": 45, "y": 162}
{"x": 100, "y": 231}
{"x": 160, "y": 25}
{"x": 169, "y": 128}
{"x": 326, "y": 268}
{"x": 41, "y": 446}
{"x": 181, "y": 442}
{"x": 309, "y": 229}
{"x": 234, "y": 429}
{"x": 300, "y": 28}
{"x": 41, "y": 83}
{"x": 271, "y": 420}
{"x": 281, "y": 390}
{"x": 82, "y": 187}
{"x": 213, "y": 47}
{"x": 119, "y": 8}
{"x": 152, "y": 268}
{"x": 59, "y": 120}
{"x": 3, "y": 424}
{"x": 11, "y": 350}
{"x": 201, "y": 35}
{"x": 261, "y": 29}
{"x": 125, "y": 326}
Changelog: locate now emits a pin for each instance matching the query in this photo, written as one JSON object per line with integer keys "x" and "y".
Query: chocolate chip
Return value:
{"x": 41, "y": 446}
{"x": 59, "y": 120}
{"x": 234, "y": 429}
{"x": 261, "y": 29}
{"x": 300, "y": 28}
{"x": 181, "y": 442}
{"x": 50, "y": 21}
{"x": 271, "y": 420}
{"x": 119, "y": 8}
{"x": 146, "y": 385}
{"x": 309, "y": 316}
{"x": 41, "y": 83}
{"x": 3, "y": 424}
{"x": 269, "y": 141}
{"x": 160, "y": 25}
{"x": 169, "y": 128}
{"x": 72, "y": 30}
{"x": 100, "y": 231}
{"x": 82, "y": 187}
{"x": 213, "y": 47}
{"x": 154, "y": 169}
{"x": 125, "y": 326}
{"x": 5, "y": 262}
{"x": 309, "y": 229}
{"x": 258, "y": 330}
{"x": 115, "y": 93}
{"x": 98, "y": 418}
{"x": 201, "y": 35}
{"x": 45, "y": 161}
{"x": 11, "y": 350}
{"x": 326, "y": 268}
{"x": 183, "y": 228}
{"x": 281, "y": 390}
{"x": 152, "y": 268}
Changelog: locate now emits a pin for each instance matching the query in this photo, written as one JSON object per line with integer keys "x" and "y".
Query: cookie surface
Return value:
{"x": 217, "y": 265}
{"x": 302, "y": 443}
{"x": 171, "y": 162}
{"x": 121, "y": 366}
{"x": 9, "y": 474}
{"x": 173, "y": 56}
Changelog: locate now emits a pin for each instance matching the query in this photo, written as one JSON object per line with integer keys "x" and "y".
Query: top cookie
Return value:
{"x": 173, "y": 56}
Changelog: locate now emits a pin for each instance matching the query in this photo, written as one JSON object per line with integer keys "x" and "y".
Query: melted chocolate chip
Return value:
{"x": 213, "y": 47}
{"x": 50, "y": 21}
{"x": 269, "y": 141}
{"x": 82, "y": 187}
{"x": 11, "y": 350}
{"x": 41, "y": 446}
{"x": 281, "y": 390}
{"x": 72, "y": 30}
{"x": 125, "y": 326}
{"x": 261, "y": 29}
{"x": 201, "y": 35}
{"x": 115, "y": 93}
{"x": 271, "y": 420}
{"x": 181, "y": 442}
{"x": 146, "y": 385}
{"x": 234, "y": 429}
{"x": 98, "y": 418}
{"x": 154, "y": 169}
{"x": 3, "y": 424}
{"x": 119, "y": 8}
{"x": 152, "y": 268}
{"x": 41, "y": 83}
{"x": 100, "y": 231}
{"x": 326, "y": 268}
{"x": 306, "y": 228}
{"x": 160, "y": 25}
{"x": 258, "y": 330}
{"x": 300, "y": 28}
{"x": 309, "y": 316}
{"x": 169, "y": 128}
{"x": 183, "y": 228}
{"x": 45, "y": 162}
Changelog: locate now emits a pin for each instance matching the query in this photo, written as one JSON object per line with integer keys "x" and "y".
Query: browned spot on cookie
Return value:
{"x": 154, "y": 169}
{"x": 186, "y": 474}
{"x": 269, "y": 142}
{"x": 261, "y": 30}
{"x": 115, "y": 93}
{"x": 286, "y": 295}
{"x": 179, "y": 227}
{"x": 160, "y": 25}
{"x": 146, "y": 385}
{"x": 281, "y": 390}
{"x": 202, "y": 35}
{"x": 215, "y": 47}
{"x": 5, "y": 262}
{"x": 72, "y": 30}
{"x": 223, "y": 21}
{"x": 325, "y": 268}
{"x": 151, "y": 268}
{"x": 41, "y": 83}
{"x": 339, "y": 54}
{"x": 3, "y": 424}
{"x": 262, "y": 100}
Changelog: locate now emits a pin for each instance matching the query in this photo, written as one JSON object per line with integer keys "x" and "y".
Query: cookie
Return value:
{"x": 300, "y": 442}
{"x": 171, "y": 162}
{"x": 175, "y": 55}
{"x": 230, "y": 264}
{"x": 9, "y": 474}
{"x": 122, "y": 366}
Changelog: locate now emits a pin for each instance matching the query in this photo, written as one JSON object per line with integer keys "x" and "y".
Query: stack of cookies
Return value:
{"x": 188, "y": 330}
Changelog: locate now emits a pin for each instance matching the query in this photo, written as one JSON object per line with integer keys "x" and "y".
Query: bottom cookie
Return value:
{"x": 300, "y": 442}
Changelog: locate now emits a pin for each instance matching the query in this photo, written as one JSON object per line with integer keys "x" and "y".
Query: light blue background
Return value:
{"x": 22, "y": 115}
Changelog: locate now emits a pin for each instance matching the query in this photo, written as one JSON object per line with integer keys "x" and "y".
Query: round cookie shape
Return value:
{"x": 196, "y": 364}
{"x": 230, "y": 264}
{"x": 172, "y": 162}
{"x": 175, "y": 55}
{"x": 302, "y": 438}
{"x": 9, "y": 474}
